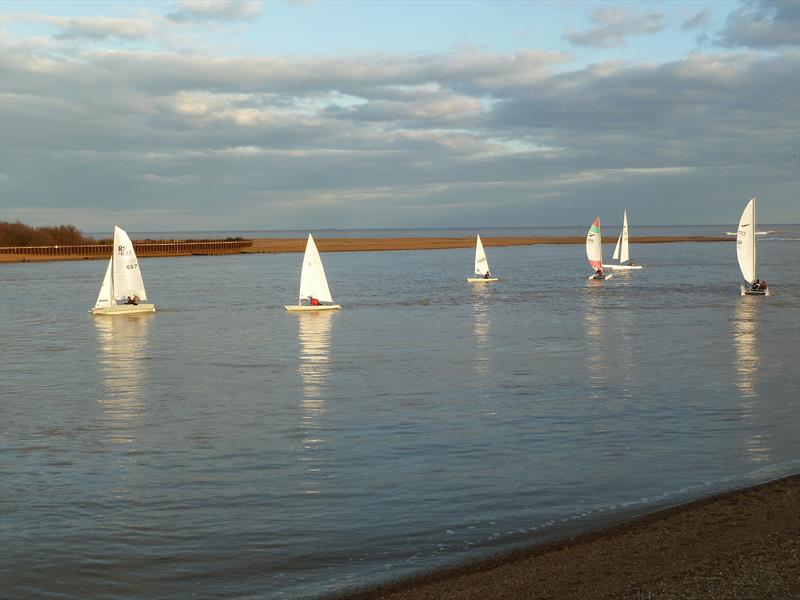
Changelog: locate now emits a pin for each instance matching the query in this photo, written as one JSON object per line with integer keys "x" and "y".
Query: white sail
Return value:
{"x": 621, "y": 249}
{"x": 127, "y": 277}
{"x": 594, "y": 245}
{"x": 106, "y": 295}
{"x": 746, "y": 242}
{"x": 481, "y": 263}
{"x": 312, "y": 278}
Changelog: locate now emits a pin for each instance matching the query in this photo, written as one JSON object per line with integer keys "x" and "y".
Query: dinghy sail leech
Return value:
{"x": 621, "y": 249}
{"x": 122, "y": 291}
{"x": 746, "y": 252}
{"x": 313, "y": 283}
{"x": 482, "y": 272}
{"x": 594, "y": 251}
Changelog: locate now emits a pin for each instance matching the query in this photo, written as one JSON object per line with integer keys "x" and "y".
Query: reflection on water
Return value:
{"x": 122, "y": 346}
{"x": 314, "y": 337}
{"x": 595, "y": 344}
{"x": 747, "y": 362}
{"x": 481, "y": 322}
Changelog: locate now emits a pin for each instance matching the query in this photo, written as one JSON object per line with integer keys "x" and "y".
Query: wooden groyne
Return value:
{"x": 143, "y": 249}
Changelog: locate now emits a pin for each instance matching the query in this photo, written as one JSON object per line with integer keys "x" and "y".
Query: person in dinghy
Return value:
{"x": 487, "y": 275}
{"x": 313, "y": 301}
{"x": 599, "y": 274}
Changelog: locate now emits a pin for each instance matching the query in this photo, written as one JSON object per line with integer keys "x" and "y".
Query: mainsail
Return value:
{"x": 481, "y": 264}
{"x": 746, "y": 242}
{"x": 312, "y": 278}
{"x": 126, "y": 274}
{"x": 594, "y": 245}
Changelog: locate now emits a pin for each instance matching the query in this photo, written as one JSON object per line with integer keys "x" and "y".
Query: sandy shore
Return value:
{"x": 440, "y": 243}
{"x": 741, "y": 544}
{"x": 279, "y": 245}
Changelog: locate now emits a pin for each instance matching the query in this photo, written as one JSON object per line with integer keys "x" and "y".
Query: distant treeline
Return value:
{"x": 19, "y": 234}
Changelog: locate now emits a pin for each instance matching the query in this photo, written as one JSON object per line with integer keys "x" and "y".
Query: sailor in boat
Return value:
{"x": 313, "y": 301}
{"x": 599, "y": 273}
{"x": 134, "y": 300}
{"x": 487, "y": 275}
{"x": 759, "y": 284}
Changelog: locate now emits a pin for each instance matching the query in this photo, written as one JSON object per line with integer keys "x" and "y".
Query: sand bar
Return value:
{"x": 740, "y": 544}
{"x": 278, "y": 245}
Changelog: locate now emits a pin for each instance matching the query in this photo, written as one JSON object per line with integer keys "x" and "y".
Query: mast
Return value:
{"x": 754, "y": 236}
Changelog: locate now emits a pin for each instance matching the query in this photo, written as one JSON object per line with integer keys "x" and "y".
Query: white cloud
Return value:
{"x": 613, "y": 25}
{"x": 215, "y": 10}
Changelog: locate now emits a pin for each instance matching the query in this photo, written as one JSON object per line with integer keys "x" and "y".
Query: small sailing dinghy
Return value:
{"x": 746, "y": 252}
{"x": 482, "y": 272}
{"x": 594, "y": 251}
{"x": 314, "y": 291}
{"x": 621, "y": 249}
{"x": 122, "y": 292}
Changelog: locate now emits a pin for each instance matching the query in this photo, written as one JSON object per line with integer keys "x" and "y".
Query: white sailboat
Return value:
{"x": 314, "y": 291}
{"x": 746, "y": 252}
{"x": 482, "y": 272}
{"x": 621, "y": 252}
{"x": 122, "y": 291}
{"x": 594, "y": 251}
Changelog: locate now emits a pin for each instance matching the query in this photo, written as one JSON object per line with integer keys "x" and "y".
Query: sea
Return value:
{"x": 225, "y": 448}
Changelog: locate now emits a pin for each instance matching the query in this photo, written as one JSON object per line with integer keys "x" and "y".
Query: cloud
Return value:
{"x": 762, "y": 24}
{"x": 215, "y": 10}
{"x": 613, "y": 25}
{"x": 699, "y": 20}
{"x": 95, "y": 27}
{"x": 403, "y": 138}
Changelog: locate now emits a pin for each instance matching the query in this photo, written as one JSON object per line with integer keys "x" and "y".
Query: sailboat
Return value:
{"x": 122, "y": 291}
{"x": 314, "y": 291}
{"x": 621, "y": 249}
{"x": 594, "y": 251}
{"x": 482, "y": 272}
{"x": 746, "y": 252}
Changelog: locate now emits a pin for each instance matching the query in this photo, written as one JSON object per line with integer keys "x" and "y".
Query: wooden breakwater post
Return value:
{"x": 143, "y": 249}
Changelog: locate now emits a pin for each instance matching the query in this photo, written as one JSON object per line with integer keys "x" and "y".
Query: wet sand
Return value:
{"x": 741, "y": 544}
{"x": 279, "y": 245}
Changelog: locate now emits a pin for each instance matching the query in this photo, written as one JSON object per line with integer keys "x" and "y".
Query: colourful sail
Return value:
{"x": 594, "y": 245}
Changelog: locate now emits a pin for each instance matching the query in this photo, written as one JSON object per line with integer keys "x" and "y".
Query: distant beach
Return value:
{"x": 739, "y": 544}
{"x": 348, "y": 244}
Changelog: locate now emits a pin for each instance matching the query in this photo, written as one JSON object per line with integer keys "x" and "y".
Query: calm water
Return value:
{"x": 225, "y": 448}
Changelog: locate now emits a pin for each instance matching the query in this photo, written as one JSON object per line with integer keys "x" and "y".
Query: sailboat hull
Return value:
{"x": 298, "y": 308}
{"x": 125, "y": 309}
{"x": 622, "y": 267}
{"x": 743, "y": 291}
{"x": 481, "y": 279}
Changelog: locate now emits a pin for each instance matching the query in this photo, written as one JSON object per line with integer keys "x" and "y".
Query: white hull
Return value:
{"x": 622, "y": 267}
{"x": 298, "y": 308}
{"x": 481, "y": 279}
{"x": 124, "y": 309}
{"x": 606, "y": 278}
{"x": 743, "y": 291}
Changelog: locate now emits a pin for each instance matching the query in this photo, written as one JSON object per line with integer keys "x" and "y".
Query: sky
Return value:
{"x": 242, "y": 115}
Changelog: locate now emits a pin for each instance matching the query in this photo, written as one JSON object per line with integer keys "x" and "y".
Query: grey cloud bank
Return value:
{"x": 163, "y": 140}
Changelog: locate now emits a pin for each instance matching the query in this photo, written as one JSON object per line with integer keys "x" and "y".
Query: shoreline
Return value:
{"x": 297, "y": 245}
{"x": 737, "y": 544}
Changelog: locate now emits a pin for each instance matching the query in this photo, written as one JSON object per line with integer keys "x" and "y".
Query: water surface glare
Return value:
{"x": 225, "y": 448}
